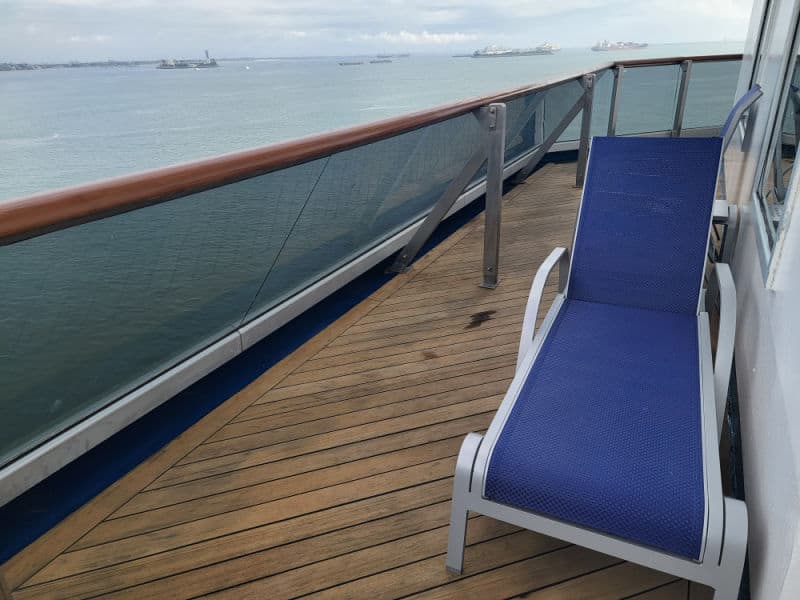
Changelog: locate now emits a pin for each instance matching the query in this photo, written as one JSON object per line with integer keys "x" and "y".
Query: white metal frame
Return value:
{"x": 725, "y": 529}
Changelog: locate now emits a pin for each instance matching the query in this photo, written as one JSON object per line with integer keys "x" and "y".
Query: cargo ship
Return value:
{"x": 547, "y": 46}
{"x": 200, "y": 63}
{"x": 605, "y": 46}
{"x": 497, "y": 52}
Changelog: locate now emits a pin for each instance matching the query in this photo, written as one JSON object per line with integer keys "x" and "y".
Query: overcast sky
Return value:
{"x": 50, "y": 30}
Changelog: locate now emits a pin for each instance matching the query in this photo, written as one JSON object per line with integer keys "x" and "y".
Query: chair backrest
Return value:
{"x": 738, "y": 110}
{"x": 644, "y": 222}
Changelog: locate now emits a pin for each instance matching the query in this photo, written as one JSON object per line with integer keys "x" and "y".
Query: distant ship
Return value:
{"x": 549, "y": 47}
{"x": 497, "y": 52}
{"x": 380, "y": 60}
{"x": 350, "y": 63}
{"x": 392, "y": 55}
{"x": 605, "y": 46}
{"x": 200, "y": 63}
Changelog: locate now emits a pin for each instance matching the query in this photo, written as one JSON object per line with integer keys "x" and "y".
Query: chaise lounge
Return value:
{"x": 608, "y": 435}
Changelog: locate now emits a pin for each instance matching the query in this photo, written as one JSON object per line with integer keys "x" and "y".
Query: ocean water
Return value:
{"x": 62, "y": 127}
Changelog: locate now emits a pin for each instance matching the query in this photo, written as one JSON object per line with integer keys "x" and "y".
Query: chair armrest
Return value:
{"x": 559, "y": 256}
{"x": 726, "y": 335}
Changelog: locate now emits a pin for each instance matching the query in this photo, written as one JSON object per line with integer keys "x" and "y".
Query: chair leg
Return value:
{"x": 457, "y": 535}
{"x": 733, "y": 552}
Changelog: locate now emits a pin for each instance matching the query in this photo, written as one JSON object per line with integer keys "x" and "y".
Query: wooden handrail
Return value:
{"x": 31, "y": 216}
{"x": 676, "y": 60}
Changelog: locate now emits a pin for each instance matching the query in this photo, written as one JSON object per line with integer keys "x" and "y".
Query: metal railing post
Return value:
{"x": 680, "y": 105}
{"x": 586, "y": 127}
{"x": 619, "y": 72}
{"x": 494, "y": 194}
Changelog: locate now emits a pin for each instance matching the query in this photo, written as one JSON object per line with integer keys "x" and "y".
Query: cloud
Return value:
{"x": 97, "y": 38}
{"x": 156, "y": 28}
{"x": 422, "y": 38}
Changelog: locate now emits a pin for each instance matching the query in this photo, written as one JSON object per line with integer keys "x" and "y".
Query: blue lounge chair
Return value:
{"x": 608, "y": 435}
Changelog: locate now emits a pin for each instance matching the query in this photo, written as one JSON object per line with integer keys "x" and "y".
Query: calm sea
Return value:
{"x": 66, "y": 126}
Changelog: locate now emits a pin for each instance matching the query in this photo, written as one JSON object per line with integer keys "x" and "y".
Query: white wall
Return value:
{"x": 768, "y": 368}
{"x": 768, "y": 344}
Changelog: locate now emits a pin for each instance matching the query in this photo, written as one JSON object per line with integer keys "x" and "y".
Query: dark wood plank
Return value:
{"x": 618, "y": 581}
{"x": 677, "y": 590}
{"x": 520, "y": 576}
{"x": 400, "y": 567}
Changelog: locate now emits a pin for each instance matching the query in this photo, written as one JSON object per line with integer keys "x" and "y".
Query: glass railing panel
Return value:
{"x": 364, "y": 196}
{"x": 521, "y": 125}
{"x": 711, "y": 93}
{"x": 92, "y": 312}
{"x": 557, "y": 103}
{"x": 647, "y": 99}
{"x": 601, "y": 104}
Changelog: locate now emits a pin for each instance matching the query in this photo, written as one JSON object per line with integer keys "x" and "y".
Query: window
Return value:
{"x": 779, "y": 163}
{"x": 773, "y": 187}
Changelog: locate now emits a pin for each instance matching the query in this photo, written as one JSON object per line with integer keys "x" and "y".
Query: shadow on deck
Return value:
{"x": 331, "y": 474}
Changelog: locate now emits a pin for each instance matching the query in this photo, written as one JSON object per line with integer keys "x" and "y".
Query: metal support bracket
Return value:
{"x": 491, "y": 119}
{"x": 619, "y": 73}
{"x": 680, "y": 105}
{"x": 586, "y": 128}
{"x": 545, "y": 146}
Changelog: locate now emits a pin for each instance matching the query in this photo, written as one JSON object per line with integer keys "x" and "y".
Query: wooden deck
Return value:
{"x": 330, "y": 476}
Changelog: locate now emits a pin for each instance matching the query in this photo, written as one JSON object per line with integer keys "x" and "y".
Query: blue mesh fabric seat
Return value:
{"x": 606, "y": 430}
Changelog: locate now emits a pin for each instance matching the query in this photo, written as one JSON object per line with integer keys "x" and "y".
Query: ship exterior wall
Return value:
{"x": 768, "y": 336}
